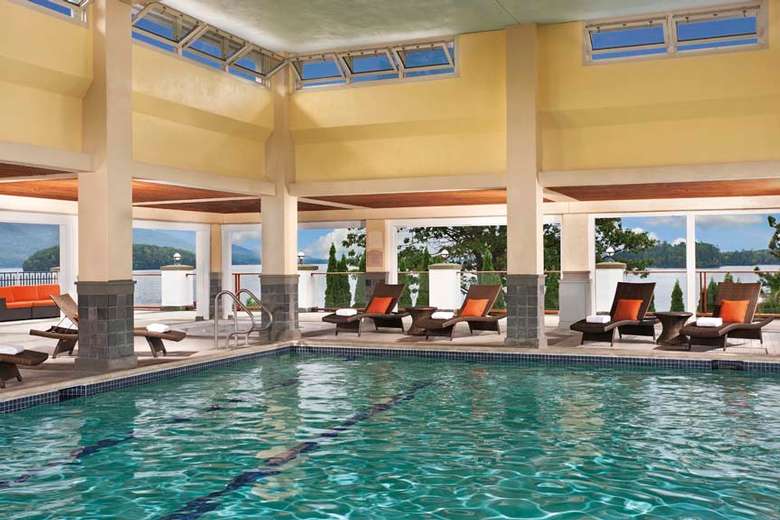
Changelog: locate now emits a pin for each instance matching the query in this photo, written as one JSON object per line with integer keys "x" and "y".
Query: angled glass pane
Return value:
{"x": 424, "y": 57}
{"x": 158, "y": 25}
{"x": 716, "y": 28}
{"x": 319, "y": 69}
{"x": 241, "y": 73}
{"x": 194, "y": 56}
{"x": 717, "y": 44}
{"x": 324, "y": 82}
{"x": 627, "y": 37}
{"x": 141, "y": 37}
{"x": 629, "y": 53}
{"x": 53, "y": 6}
{"x": 212, "y": 44}
{"x": 374, "y": 77}
{"x": 379, "y": 62}
{"x": 77, "y": 3}
{"x": 257, "y": 62}
{"x": 431, "y": 72}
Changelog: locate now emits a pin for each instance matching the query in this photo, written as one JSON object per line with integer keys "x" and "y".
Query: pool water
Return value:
{"x": 297, "y": 436}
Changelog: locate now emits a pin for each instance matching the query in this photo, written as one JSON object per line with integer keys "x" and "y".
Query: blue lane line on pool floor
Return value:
{"x": 198, "y": 507}
{"x": 78, "y": 454}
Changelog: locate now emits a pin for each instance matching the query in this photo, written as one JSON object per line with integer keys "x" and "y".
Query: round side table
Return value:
{"x": 671, "y": 324}
{"x": 417, "y": 313}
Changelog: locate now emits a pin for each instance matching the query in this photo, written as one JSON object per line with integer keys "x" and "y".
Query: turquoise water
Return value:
{"x": 314, "y": 437}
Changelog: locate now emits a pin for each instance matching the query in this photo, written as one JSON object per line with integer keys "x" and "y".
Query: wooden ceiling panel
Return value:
{"x": 15, "y": 170}
{"x": 421, "y": 199}
{"x": 677, "y": 190}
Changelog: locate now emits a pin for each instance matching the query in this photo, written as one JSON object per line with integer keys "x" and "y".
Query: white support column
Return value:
{"x": 69, "y": 249}
{"x": 525, "y": 248}
{"x": 576, "y": 275}
{"x": 691, "y": 294}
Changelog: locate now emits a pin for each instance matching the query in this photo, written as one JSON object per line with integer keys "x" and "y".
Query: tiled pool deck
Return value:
{"x": 57, "y": 380}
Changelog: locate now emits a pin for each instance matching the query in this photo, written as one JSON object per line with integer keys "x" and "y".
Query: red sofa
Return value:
{"x": 25, "y": 302}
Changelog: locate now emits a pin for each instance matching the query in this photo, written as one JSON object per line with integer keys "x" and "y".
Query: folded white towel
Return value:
{"x": 442, "y": 315}
{"x": 11, "y": 350}
{"x": 709, "y": 322}
{"x": 346, "y": 312}
{"x": 598, "y": 318}
{"x": 158, "y": 328}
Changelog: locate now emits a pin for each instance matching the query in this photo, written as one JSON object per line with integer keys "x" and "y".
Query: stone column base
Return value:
{"x": 106, "y": 325}
{"x": 574, "y": 298}
{"x": 215, "y": 286}
{"x": 525, "y": 310}
{"x": 279, "y": 294}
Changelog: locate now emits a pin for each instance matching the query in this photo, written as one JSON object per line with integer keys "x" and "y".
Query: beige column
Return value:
{"x": 576, "y": 269}
{"x": 105, "y": 287}
{"x": 215, "y": 265}
{"x": 279, "y": 281}
{"x": 525, "y": 247}
{"x": 381, "y": 256}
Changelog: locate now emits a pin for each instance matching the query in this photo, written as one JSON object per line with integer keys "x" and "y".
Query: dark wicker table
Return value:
{"x": 417, "y": 313}
{"x": 672, "y": 323}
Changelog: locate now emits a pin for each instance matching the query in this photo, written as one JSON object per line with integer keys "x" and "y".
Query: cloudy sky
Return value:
{"x": 728, "y": 232}
{"x": 314, "y": 242}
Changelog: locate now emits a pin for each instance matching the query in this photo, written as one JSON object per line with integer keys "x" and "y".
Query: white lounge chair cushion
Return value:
{"x": 11, "y": 350}
{"x": 443, "y": 315}
{"x": 346, "y": 312}
{"x": 598, "y": 318}
{"x": 709, "y": 322}
{"x": 158, "y": 328}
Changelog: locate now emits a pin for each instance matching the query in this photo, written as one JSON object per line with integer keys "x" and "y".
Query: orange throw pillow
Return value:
{"x": 474, "y": 308}
{"x": 379, "y": 305}
{"x": 627, "y": 310}
{"x": 733, "y": 311}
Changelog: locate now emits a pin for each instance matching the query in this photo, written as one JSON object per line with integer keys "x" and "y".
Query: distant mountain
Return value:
{"x": 165, "y": 238}
{"x": 22, "y": 240}
{"x": 243, "y": 256}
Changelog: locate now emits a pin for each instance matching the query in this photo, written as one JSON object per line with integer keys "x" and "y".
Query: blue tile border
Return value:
{"x": 517, "y": 358}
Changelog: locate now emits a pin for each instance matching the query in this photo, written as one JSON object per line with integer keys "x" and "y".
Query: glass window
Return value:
{"x": 368, "y": 63}
{"x": 628, "y": 37}
{"x": 200, "y": 58}
{"x": 53, "y": 6}
{"x": 318, "y": 69}
{"x": 141, "y": 37}
{"x": 158, "y": 26}
{"x": 716, "y": 32}
{"x": 433, "y": 56}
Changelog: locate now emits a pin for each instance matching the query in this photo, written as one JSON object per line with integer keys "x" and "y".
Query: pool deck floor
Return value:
{"x": 199, "y": 345}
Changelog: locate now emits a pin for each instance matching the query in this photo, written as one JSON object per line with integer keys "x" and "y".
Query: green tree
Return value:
{"x": 360, "y": 284}
{"x": 331, "y": 280}
{"x": 612, "y": 237}
{"x": 423, "y": 290}
{"x": 492, "y": 278}
{"x": 677, "y": 298}
{"x": 770, "y": 282}
{"x": 344, "y": 298}
{"x": 552, "y": 265}
{"x": 43, "y": 260}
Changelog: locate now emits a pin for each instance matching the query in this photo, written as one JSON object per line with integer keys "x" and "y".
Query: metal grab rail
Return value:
{"x": 236, "y": 302}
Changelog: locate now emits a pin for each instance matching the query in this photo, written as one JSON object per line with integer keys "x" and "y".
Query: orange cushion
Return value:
{"x": 627, "y": 310}
{"x": 43, "y": 303}
{"x": 45, "y": 291}
{"x": 19, "y": 305}
{"x": 733, "y": 311}
{"x": 379, "y": 305}
{"x": 474, "y": 307}
{"x": 7, "y": 294}
{"x": 26, "y": 293}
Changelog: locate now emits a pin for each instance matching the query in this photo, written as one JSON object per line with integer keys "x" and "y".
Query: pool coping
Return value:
{"x": 20, "y": 399}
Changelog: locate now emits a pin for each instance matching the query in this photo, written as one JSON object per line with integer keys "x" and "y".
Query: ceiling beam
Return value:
{"x": 398, "y": 185}
{"x": 193, "y": 201}
{"x": 36, "y": 178}
{"x": 44, "y": 157}
{"x": 329, "y": 203}
{"x": 202, "y": 180}
{"x": 554, "y": 196}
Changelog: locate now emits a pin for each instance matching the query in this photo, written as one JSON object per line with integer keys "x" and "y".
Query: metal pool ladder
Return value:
{"x": 237, "y": 304}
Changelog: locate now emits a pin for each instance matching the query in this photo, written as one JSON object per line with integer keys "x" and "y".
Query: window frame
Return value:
{"x": 78, "y": 9}
{"x": 671, "y": 44}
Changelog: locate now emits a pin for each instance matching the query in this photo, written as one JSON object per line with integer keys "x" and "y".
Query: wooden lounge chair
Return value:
{"x": 379, "y": 310}
{"x": 67, "y": 337}
{"x": 9, "y": 364}
{"x": 475, "y": 311}
{"x": 641, "y": 326}
{"x": 748, "y": 328}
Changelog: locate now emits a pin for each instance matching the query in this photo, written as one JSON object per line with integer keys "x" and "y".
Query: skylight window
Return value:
{"x": 69, "y": 8}
{"x": 720, "y": 29}
{"x": 426, "y": 56}
{"x": 676, "y": 33}
{"x": 173, "y": 31}
{"x": 369, "y": 62}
